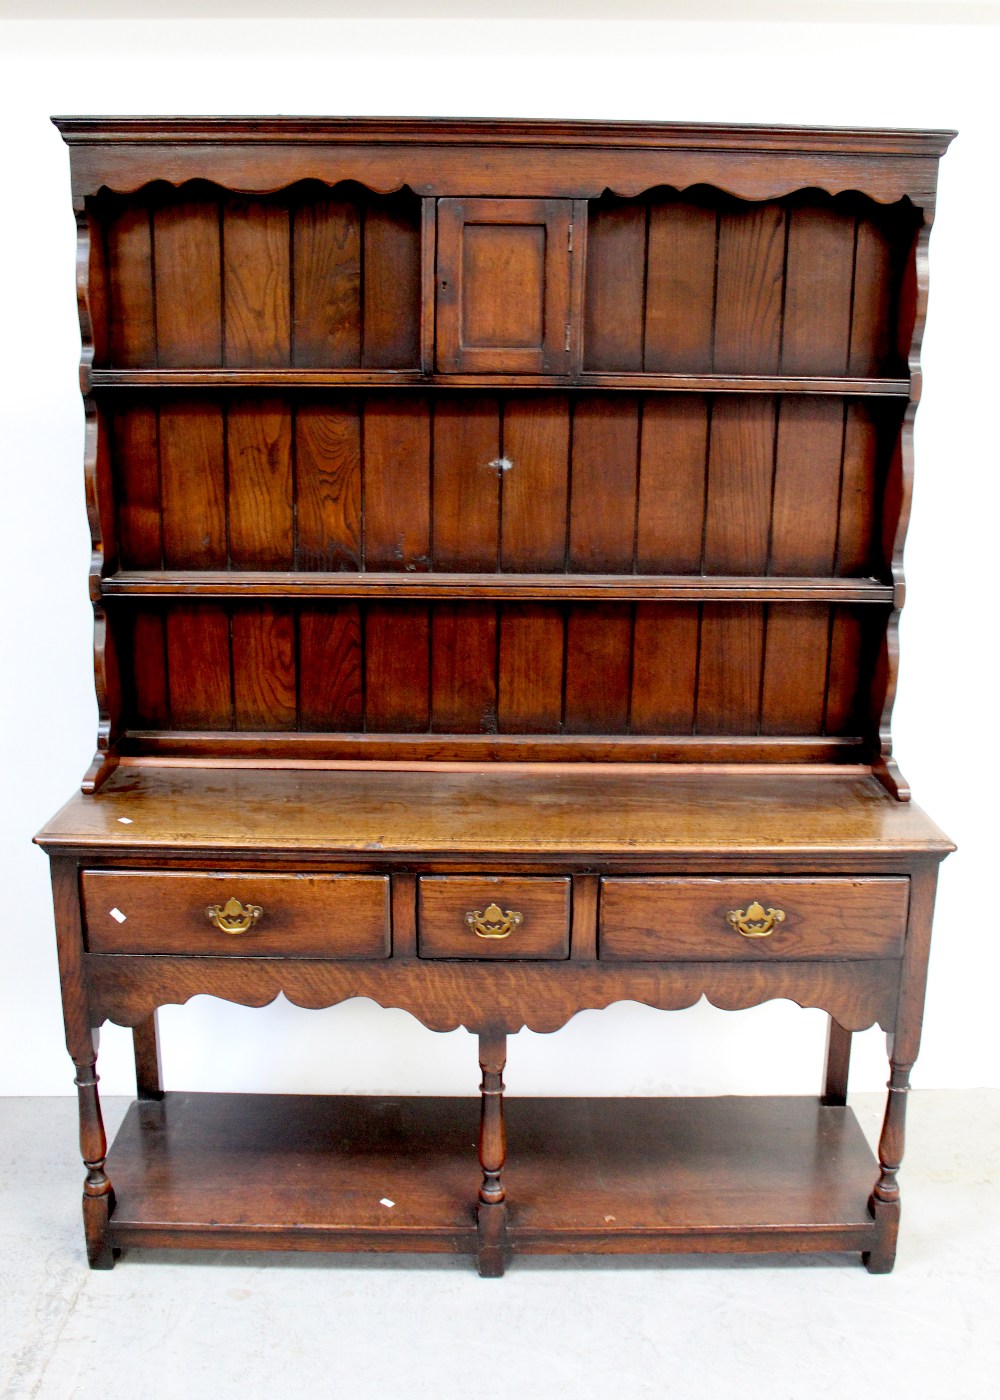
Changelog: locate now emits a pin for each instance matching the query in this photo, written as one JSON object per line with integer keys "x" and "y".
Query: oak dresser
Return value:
{"x": 497, "y": 564}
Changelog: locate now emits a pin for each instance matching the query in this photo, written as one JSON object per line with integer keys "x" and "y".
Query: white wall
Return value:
{"x": 909, "y": 74}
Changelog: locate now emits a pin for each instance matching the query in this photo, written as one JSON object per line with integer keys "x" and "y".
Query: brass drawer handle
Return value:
{"x": 755, "y": 922}
{"x": 234, "y": 917}
{"x": 493, "y": 922}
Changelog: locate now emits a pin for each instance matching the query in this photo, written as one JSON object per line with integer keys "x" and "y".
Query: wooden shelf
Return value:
{"x": 654, "y": 1175}
{"x": 524, "y": 587}
{"x": 283, "y": 378}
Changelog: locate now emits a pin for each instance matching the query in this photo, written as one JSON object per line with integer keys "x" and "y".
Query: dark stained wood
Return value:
{"x": 188, "y": 282}
{"x": 730, "y": 660}
{"x": 672, "y": 464}
{"x": 256, "y": 280}
{"x": 614, "y": 307}
{"x": 331, "y": 668}
{"x": 131, "y": 314}
{"x": 534, "y": 488}
{"x": 264, "y": 668}
{"x": 838, "y": 1064}
{"x": 604, "y": 469}
{"x": 598, "y": 668}
{"x": 664, "y": 668}
{"x": 259, "y": 474}
{"x": 464, "y": 669}
{"x": 392, "y": 283}
{"x": 674, "y": 920}
{"x": 466, "y": 492}
{"x": 530, "y": 689}
{"x": 326, "y": 279}
{"x": 137, "y": 462}
{"x": 339, "y": 916}
{"x": 447, "y": 586}
{"x": 188, "y": 1183}
{"x": 680, "y": 285}
{"x": 397, "y": 669}
{"x": 503, "y": 285}
{"x": 328, "y": 486}
{"x": 199, "y": 666}
{"x": 444, "y": 903}
{"x": 749, "y": 288}
{"x": 396, "y": 469}
{"x": 193, "y": 484}
{"x": 496, "y": 512}
{"x": 740, "y": 482}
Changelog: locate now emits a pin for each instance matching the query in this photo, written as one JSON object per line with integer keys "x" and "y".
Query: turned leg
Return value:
{"x": 81, "y": 1042}
{"x": 838, "y": 1063}
{"x": 148, "y": 1070}
{"x": 903, "y": 1044}
{"x": 492, "y": 1212}
{"x": 98, "y": 1197}
{"x": 884, "y": 1200}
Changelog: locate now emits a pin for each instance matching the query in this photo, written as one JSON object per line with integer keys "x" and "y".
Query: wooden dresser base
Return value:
{"x": 712, "y": 1175}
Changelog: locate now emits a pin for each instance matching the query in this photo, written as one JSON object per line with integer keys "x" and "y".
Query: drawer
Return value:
{"x": 484, "y": 916}
{"x": 313, "y": 916}
{"x": 662, "y": 920}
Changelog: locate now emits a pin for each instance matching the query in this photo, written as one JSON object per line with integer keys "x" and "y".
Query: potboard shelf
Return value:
{"x": 368, "y": 1173}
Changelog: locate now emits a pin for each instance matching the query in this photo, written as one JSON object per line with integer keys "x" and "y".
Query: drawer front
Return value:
{"x": 733, "y": 920}
{"x": 483, "y": 916}
{"x": 314, "y": 916}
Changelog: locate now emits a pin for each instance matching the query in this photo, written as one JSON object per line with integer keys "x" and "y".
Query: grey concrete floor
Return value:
{"x": 217, "y": 1325}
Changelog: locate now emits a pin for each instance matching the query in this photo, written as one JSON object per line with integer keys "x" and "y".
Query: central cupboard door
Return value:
{"x": 503, "y": 286}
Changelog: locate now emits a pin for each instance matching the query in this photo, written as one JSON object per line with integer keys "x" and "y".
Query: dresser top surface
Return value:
{"x": 500, "y": 810}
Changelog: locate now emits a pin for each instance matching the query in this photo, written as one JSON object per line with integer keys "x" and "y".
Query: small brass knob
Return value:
{"x": 755, "y": 921}
{"x": 493, "y": 922}
{"x": 234, "y": 917}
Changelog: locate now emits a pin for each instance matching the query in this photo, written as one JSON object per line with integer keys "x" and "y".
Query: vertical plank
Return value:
{"x": 132, "y": 321}
{"x": 193, "y": 483}
{"x": 466, "y": 483}
{"x": 392, "y": 283}
{"x": 259, "y": 456}
{"x": 534, "y": 492}
{"x": 816, "y": 333}
{"x": 397, "y": 669}
{"x": 858, "y": 492}
{"x": 598, "y": 667}
{"x": 331, "y": 682}
{"x": 263, "y": 640}
{"x": 795, "y": 657}
{"x": 740, "y": 473}
{"x": 328, "y": 484}
{"x": 844, "y": 683}
{"x": 680, "y": 290}
{"x": 464, "y": 668}
{"x": 137, "y": 474}
{"x": 672, "y": 466}
{"x": 603, "y": 483}
{"x": 729, "y": 668}
{"x": 872, "y": 331}
{"x": 532, "y": 641}
{"x": 256, "y": 281}
{"x": 188, "y": 282}
{"x": 614, "y": 288}
{"x": 396, "y": 483}
{"x": 97, "y": 280}
{"x": 750, "y": 277}
{"x": 807, "y": 486}
{"x": 326, "y": 264}
{"x": 198, "y": 666}
{"x": 147, "y": 646}
{"x": 664, "y": 668}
